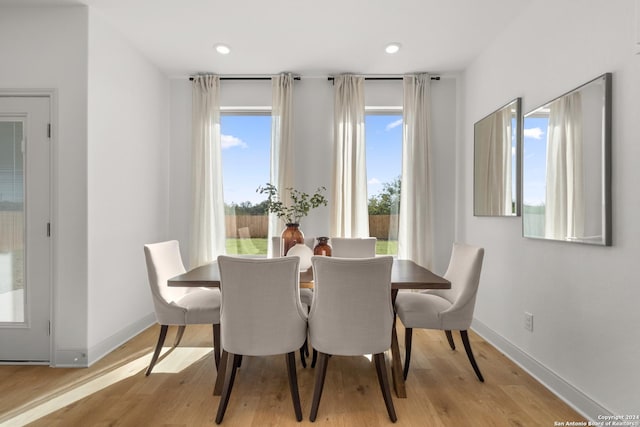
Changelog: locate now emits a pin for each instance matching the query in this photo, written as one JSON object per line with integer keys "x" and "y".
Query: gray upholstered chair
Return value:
{"x": 445, "y": 309}
{"x": 349, "y": 247}
{"x": 353, "y": 247}
{"x": 179, "y": 306}
{"x": 351, "y": 315}
{"x": 261, "y": 315}
{"x": 305, "y": 252}
{"x": 306, "y": 295}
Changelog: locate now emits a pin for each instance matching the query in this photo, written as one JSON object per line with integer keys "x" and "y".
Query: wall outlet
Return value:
{"x": 528, "y": 321}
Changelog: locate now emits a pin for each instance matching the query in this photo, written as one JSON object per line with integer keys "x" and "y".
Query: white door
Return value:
{"x": 25, "y": 254}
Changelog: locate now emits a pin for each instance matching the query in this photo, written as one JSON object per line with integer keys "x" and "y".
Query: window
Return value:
{"x": 383, "y": 134}
{"x": 246, "y": 147}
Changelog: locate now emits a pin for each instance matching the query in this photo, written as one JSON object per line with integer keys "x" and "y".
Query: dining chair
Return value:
{"x": 351, "y": 315}
{"x": 179, "y": 306}
{"x": 304, "y": 252}
{"x": 348, "y": 247}
{"x": 261, "y": 315}
{"x": 353, "y": 247}
{"x": 445, "y": 309}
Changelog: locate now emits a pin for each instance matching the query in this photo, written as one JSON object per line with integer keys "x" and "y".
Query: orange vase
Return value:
{"x": 290, "y": 237}
{"x": 322, "y": 248}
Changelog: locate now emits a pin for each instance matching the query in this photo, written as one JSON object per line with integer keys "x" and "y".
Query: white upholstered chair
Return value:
{"x": 353, "y": 247}
{"x": 261, "y": 315}
{"x": 445, "y": 309}
{"x": 179, "y": 306}
{"x": 351, "y": 315}
{"x": 304, "y": 252}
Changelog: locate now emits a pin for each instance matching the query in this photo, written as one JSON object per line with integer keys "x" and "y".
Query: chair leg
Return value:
{"x": 408, "y": 333}
{"x": 314, "y": 357}
{"x": 216, "y": 344}
{"x": 293, "y": 384}
{"x": 303, "y": 357}
{"x": 317, "y": 389}
{"x": 156, "y": 353}
{"x": 232, "y": 363}
{"x": 450, "y": 339}
{"x": 383, "y": 379}
{"x": 467, "y": 347}
{"x": 179, "y": 335}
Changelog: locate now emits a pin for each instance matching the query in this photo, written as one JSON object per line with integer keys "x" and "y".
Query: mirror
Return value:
{"x": 566, "y": 166}
{"x": 496, "y": 140}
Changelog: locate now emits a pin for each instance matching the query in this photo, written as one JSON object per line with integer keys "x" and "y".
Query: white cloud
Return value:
{"x": 393, "y": 124}
{"x": 535, "y": 133}
{"x": 229, "y": 141}
{"x": 373, "y": 181}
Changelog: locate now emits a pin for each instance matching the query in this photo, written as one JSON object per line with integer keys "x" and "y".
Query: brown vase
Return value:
{"x": 322, "y": 248}
{"x": 290, "y": 237}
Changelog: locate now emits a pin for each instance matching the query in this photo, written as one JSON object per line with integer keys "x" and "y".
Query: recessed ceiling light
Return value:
{"x": 392, "y": 48}
{"x": 223, "y": 49}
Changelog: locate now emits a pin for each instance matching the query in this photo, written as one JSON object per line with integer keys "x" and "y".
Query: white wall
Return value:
{"x": 584, "y": 299}
{"x": 313, "y": 124}
{"x": 128, "y": 160}
{"x": 47, "y": 48}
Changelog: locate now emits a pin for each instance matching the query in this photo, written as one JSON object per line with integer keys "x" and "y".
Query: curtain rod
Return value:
{"x": 384, "y": 78}
{"x": 246, "y": 78}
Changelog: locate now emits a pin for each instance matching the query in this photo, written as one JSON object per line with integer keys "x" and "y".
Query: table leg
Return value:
{"x": 222, "y": 369}
{"x": 396, "y": 361}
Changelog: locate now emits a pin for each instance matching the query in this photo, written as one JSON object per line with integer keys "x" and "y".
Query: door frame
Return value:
{"x": 52, "y": 95}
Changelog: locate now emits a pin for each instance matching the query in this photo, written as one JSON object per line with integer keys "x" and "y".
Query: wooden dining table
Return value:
{"x": 405, "y": 274}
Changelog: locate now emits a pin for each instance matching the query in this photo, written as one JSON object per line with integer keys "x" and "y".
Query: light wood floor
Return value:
{"x": 442, "y": 389}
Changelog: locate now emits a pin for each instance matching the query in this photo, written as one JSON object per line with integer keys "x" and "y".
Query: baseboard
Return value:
{"x": 573, "y": 397}
{"x": 81, "y": 358}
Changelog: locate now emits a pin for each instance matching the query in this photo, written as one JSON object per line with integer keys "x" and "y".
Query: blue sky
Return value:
{"x": 534, "y": 160}
{"x": 246, "y": 141}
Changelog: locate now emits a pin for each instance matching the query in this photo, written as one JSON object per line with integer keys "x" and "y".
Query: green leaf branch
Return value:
{"x": 301, "y": 203}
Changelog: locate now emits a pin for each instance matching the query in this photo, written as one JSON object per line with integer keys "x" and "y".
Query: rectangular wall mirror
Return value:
{"x": 496, "y": 141}
{"x": 566, "y": 166}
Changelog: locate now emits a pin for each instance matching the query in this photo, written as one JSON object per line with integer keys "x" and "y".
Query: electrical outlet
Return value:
{"x": 528, "y": 321}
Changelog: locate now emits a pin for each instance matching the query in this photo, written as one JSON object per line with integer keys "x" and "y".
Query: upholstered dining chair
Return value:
{"x": 261, "y": 315}
{"x": 179, "y": 306}
{"x": 351, "y": 315}
{"x": 445, "y": 309}
{"x": 304, "y": 252}
{"x": 348, "y": 247}
{"x": 353, "y": 247}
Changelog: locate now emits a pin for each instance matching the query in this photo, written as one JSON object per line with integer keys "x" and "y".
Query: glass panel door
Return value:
{"x": 12, "y": 230}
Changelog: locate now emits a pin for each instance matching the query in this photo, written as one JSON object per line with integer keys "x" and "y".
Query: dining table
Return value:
{"x": 405, "y": 274}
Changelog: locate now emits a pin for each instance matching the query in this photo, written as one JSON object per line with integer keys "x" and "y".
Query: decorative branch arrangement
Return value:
{"x": 301, "y": 203}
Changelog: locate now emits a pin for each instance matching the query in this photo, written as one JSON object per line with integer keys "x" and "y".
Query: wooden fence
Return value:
{"x": 258, "y": 226}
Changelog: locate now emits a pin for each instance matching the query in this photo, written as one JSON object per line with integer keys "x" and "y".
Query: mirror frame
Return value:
{"x": 517, "y": 163}
{"x": 605, "y": 179}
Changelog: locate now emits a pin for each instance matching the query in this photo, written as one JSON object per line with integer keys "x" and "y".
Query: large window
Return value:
{"x": 246, "y": 145}
{"x": 383, "y": 133}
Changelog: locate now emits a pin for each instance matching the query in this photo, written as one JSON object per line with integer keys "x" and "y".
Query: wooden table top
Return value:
{"x": 405, "y": 274}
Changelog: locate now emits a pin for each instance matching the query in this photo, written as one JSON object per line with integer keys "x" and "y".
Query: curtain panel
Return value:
{"x": 207, "y": 213}
{"x": 415, "y": 234}
{"x": 564, "y": 200}
{"x": 282, "y": 164}
{"x": 349, "y": 215}
{"x": 496, "y": 179}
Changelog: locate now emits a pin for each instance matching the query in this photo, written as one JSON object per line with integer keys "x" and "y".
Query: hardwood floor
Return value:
{"x": 442, "y": 389}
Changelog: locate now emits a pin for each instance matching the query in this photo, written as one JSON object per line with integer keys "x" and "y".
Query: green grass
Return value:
{"x": 386, "y": 247}
{"x": 258, "y": 246}
{"x": 253, "y": 246}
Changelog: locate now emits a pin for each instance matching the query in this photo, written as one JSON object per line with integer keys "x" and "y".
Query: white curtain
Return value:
{"x": 349, "y": 216}
{"x": 415, "y": 239}
{"x": 282, "y": 165}
{"x": 493, "y": 165}
{"x": 564, "y": 200}
{"x": 207, "y": 219}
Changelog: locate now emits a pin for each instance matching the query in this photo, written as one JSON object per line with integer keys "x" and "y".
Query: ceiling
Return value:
{"x": 306, "y": 37}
